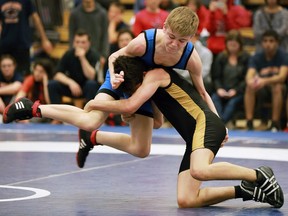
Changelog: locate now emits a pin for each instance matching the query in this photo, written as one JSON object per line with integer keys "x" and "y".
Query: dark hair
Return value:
{"x": 235, "y": 35}
{"x": 271, "y": 33}
{"x": 133, "y": 68}
{"x": 118, "y": 5}
{"x": 7, "y": 56}
{"x": 46, "y": 64}
{"x": 123, "y": 31}
{"x": 81, "y": 32}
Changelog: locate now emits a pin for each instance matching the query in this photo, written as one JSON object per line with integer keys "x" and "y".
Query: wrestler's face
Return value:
{"x": 174, "y": 42}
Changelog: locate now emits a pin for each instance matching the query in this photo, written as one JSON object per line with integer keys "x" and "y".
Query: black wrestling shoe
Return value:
{"x": 20, "y": 110}
{"x": 268, "y": 184}
{"x": 250, "y": 191}
{"x": 85, "y": 145}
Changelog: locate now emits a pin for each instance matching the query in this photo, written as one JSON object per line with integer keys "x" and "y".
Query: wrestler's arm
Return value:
{"x": 152, "y": 80}
{"x": 136, "y": 47}
{"x": 194, "y": 67}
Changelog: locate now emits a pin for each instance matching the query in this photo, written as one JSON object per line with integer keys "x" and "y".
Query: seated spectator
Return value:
{"x": 206, "y": 57}
{"x": 76, "y": 74}
{"x": 150, "y": 17}
{"x": 124, "y": 37}
{"x": 271, "y": 16}
{"x": 10, "y": 81}
{"x": 35, "y": 85}
{"x": 116, "y": 23}
{"x": 229, "y": 72}
{"x": 267, "y": 72}
{"x": 92, "y": 17}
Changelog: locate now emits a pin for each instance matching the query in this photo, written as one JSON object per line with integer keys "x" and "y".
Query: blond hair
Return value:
{"x": 182, "y": 20}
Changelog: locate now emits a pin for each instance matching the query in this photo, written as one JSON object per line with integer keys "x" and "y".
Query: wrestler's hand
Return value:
{"x": 127, "y": 117}
{"x": 225, "y": 139}
{"x": 117, "y": 80}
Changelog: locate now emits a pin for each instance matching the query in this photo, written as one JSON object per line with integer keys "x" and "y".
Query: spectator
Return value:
{"x": 206, "y": 57}
{"x": 116, "y": 23}
{"x": 221, "y": 20}
{"x": 266, "y": 73}
{"x": 271, "y": 16}
{"x": 10, "y": 80}
{"x": 201, "y": 11}
{"x": 168, "y": 5}
{"x": 124, "y": 37}
{"x": 91, "y": 17}
{"x": 35, "y": 86}
{"x": 16, "y": 37}
{"x": 230, "y": 68}
{"x": 152, "y": 16}
{"x": 138, "y": 5}
{"x": 75, "y": 74}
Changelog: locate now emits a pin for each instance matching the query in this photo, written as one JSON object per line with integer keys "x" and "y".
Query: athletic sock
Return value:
{"x": 260, "y": 178}
{"x": 238, "y": 192}
{"x": 93, "y": 137}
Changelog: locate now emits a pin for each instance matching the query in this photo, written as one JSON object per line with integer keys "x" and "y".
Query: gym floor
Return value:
{"x": 40, "y": 175}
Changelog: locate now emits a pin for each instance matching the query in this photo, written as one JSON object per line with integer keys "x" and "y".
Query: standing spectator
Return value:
{"x": 75, "y": 74}
{"x": 116, "y": 23}
{"x": 16, "y": 37}
{"x": 201, "y": 11}
{"x": 266, "y": 74}
{"x": 150, "y": 17}
{"x": 91, "y": 17}
{"x": 271, "y": 16}
{"x": 138, "y": 5}
{"x": 10, "y": 80}
{"x": 222, "y": 19}
{"x": 230, "y": 68}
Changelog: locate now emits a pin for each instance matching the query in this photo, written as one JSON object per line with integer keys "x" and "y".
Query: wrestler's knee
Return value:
{"x": 199, "y": 174}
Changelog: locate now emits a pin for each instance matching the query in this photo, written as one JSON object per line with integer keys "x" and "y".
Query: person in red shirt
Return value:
{"x": 34, "y": 86}
{"x": 150, "y": 17}
{"x": 223, "y": 17}
{"x": 201, "y": 11}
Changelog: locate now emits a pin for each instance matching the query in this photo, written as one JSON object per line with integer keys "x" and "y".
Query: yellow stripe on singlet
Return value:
{"x": 185, "y": 101}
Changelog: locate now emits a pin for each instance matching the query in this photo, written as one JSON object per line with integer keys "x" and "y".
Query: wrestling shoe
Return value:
{"x": 268, "y": 184}
{"x": 20, "y": 110}
{"x": 250, "y": 191}
{"x": 85, "y": 146}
